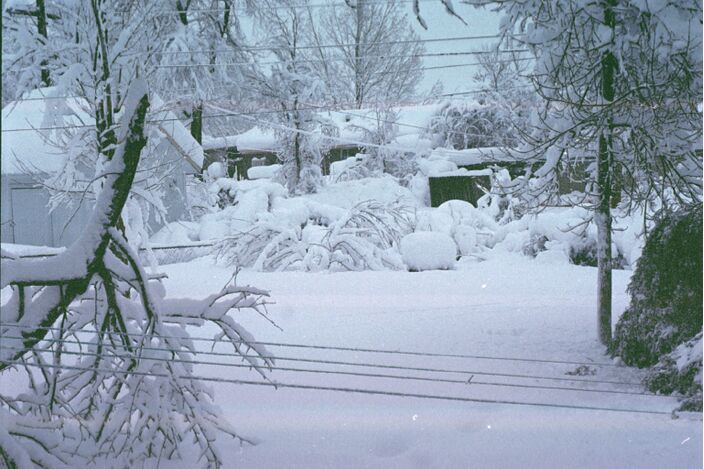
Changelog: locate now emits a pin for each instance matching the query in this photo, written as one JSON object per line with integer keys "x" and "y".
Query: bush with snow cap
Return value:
{"x": 426, "y": 250}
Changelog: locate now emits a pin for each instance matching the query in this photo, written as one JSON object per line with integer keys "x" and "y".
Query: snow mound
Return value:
{"x": 263, "y": 172}
{"x": 426, "y": 250}
{"x": 347, "y": 194}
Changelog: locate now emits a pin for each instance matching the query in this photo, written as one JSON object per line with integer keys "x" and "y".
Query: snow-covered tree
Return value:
{"x": 469, "y": 124}
{"x": 291, "y": 87}
{"x": 202, "y": 58}
{"x": 376, "y": 54}
{"x": 27, "y": 28}
{"x": 621, "y": 84}
{"x": 105, "y": 356}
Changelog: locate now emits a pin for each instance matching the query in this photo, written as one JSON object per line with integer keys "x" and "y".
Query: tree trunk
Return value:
{"x": 197, "y": 122}
{"x": 41, "y": 28}
{"x": 605, "y": 190}
{"x": 603, "y": 224}
{"x": 296, "y": 162}
{"x": 358, "y": 85}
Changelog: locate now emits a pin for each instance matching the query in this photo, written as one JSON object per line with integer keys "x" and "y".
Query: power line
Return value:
{"x": 471, "y": 381}
{"x": 275, "y": 8}
{"x": 210, "y": 116}
{"x": 519, "y": 59}
{"x": 345, "y": 349}
{"x": 395, "y": 367}
{"x": 326, "y": 46}
{"x": 349, "y": 390}
{"x": 345, "y": 59}
{"x": 338, "y": 59}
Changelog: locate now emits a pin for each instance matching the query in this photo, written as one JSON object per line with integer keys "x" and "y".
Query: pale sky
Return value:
{"x": 480, "y": 22}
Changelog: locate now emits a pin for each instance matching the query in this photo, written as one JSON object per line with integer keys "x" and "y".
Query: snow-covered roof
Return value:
{"x": 216, "y": 143}
{"x": 256, "y": 139}
{"x": 473, "y": 156}
{"x": 411, "y": 123}
{"x": 24, "y": 148}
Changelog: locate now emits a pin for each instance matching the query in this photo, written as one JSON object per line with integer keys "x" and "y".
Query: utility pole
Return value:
{"x": 605, "y": 188}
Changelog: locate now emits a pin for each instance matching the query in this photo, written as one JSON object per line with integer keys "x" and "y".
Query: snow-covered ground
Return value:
{"x": 508, "y": 306}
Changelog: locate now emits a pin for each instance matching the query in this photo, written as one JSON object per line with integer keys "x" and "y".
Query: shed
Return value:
{"x": 29, "y": 126}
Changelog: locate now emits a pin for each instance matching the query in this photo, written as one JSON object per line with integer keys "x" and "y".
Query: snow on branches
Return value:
{"x": 107, "y": 359}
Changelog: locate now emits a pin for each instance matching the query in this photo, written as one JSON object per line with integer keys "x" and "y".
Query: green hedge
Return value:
{"x": 666, "y": 291}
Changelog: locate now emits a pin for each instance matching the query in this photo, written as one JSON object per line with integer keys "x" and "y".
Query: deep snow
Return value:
{"x": 507, "y": 306}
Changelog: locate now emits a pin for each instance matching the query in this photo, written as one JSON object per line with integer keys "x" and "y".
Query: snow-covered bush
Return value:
{"x": 425, "y": 250}
{"x": 680, "y": 371}
{"x": 460, "y": 125}
{"x": 666, "y": 291}
{"x": 353, "y": 168}
{"x": 361, "y": 238}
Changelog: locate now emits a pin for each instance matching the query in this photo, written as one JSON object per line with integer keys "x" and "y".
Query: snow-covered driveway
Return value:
{"x": 506, "y": 307}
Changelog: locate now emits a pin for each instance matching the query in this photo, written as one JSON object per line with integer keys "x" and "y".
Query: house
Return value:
{"x": 258, "y": 146}
{"x": 31, "y": 128}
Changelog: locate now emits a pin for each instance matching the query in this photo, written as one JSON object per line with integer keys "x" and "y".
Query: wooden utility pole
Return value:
{"x": 605, "y": 185}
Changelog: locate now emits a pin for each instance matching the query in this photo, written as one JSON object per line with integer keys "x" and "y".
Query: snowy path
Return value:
{"x": 508, "y": 307}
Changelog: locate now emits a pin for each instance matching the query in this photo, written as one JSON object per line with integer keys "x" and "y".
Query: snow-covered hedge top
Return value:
{"x": 474, "y": 156}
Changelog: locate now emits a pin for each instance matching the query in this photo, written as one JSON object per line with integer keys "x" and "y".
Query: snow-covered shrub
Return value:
{"x": 583, "y": 252}
{"x": 461, "y": 125}
{"x": 666, "y": 291}
{"x": 425, "y": 250}
{"x": 381, "y": 224}
{"x": 364, "y": 237}
{"x": 536, "y": 244}
{"x": 243, "y": 249}
{"x": 680, "y": 371}
{"x": 223, "y": 191}
{"x": 353, "y": 168}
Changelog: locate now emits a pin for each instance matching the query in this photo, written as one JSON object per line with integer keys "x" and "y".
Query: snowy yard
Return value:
{"x": 509, "y": 307}
{"x": 351, "y": 234}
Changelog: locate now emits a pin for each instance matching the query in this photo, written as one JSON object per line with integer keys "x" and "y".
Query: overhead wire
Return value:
{"x": 276, "y": 8}
{"x": 349, "y": 349}
{"x": 345, "y": 59}
{"x": 327, "y": 46}
{"x": 391, "y": 367}
{"x": 469, "y": 381}
{"x": 242, "y": 115}
{"x": 277, "y": 385}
